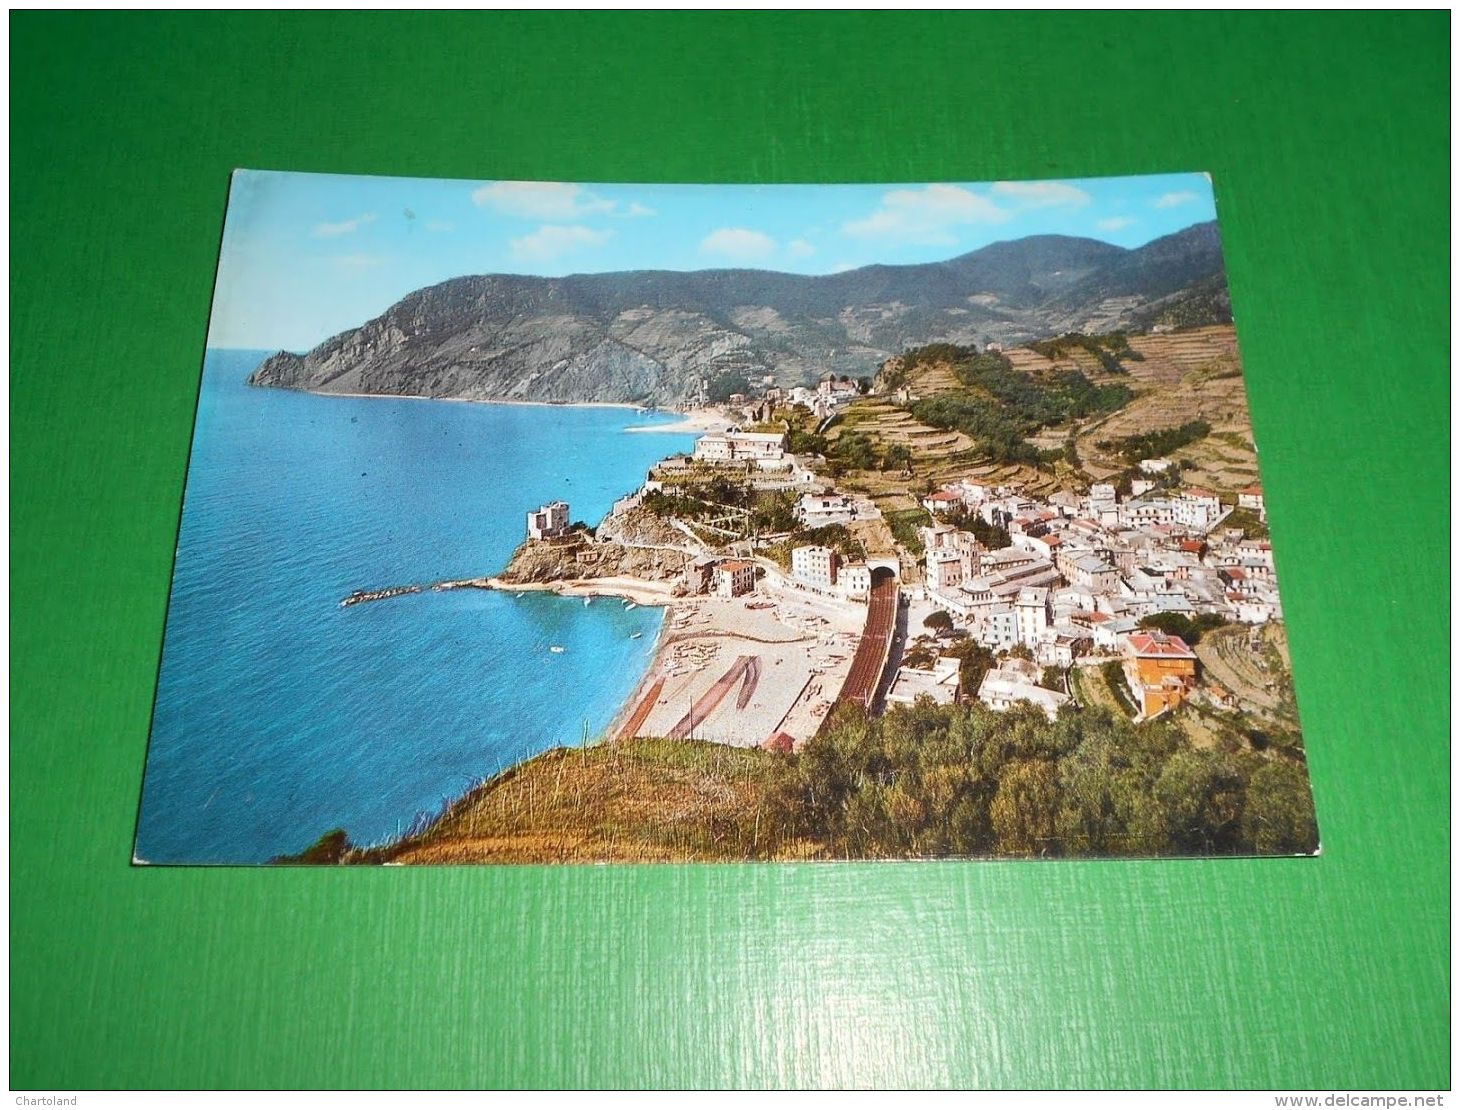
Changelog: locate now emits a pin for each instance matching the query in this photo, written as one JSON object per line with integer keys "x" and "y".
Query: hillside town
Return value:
{"x": 1046, "y": 585}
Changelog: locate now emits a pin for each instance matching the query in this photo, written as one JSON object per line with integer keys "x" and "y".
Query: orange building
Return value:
{"x": 1160, "y": 671}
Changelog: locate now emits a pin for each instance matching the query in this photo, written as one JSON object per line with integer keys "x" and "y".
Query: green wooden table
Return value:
{"x": 1328, "y": 140}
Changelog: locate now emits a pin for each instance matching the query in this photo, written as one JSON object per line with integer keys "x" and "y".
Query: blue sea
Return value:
{"x": 279, "y": 714}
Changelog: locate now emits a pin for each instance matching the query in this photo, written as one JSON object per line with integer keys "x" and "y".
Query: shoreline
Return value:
{"x": 641, "y": 591}
{"x": 690, "y": 421}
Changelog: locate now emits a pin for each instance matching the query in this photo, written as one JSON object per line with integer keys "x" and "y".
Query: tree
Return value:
{"x": 1019, "y": 651}
{"x": 1024, "y": 808}
{"x": 1053, "y": 678}
{"x": 1190, "y": 629}
{"x": 727, "y": 383}
{"x": 939, "y": 621}
{"x": 1200, "y": 798}
{"x": 1279, "y": 815}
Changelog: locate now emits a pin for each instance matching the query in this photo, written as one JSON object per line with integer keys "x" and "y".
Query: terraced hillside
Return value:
{"x": 1182, "y": 376}
{"x": 937, "y": 455}
{"x": 1178, "y": 377}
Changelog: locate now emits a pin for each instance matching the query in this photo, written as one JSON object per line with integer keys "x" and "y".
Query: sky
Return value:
{"x": 306, "y": 256}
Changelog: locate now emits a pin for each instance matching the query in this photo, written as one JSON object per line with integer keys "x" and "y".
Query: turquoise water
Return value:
{"x": 280, "y": 715}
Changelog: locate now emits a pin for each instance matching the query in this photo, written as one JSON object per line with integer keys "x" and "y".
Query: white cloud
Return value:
{"x": 635, "y": 210}
{"x": 740, "y": 244}
{"x": 550, "y": 201}
{"x": 926, "y": 216}
{"x": 1115, "y": 223}
{"x": 1171, "y": 200}
{"x": 800, "y": 248}
{"x": 554, "y": 240}
{"x": 1041, "y": 194}
{"x": 344, "y": 227}
{"x": 440, "y": 225}
{"x": 843, "y": 267}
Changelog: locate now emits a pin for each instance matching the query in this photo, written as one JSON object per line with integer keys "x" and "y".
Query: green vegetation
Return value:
{"x": 1114, "y": 676}
{"x": 733, "y": 504}
{"x": 1110, "y": 349}
{"x": 938, "y": 621}
{"x": 838, "y": 537}
{"x": 1000, "y": 405}
{"x": 1248, "y": 520}
{"x": 995, "y": 435}
{"x": 960, "y": 780}
{"x": 905, "y": 524}
{"x": 992, "y": 536}
{"x": 803, "y": 440}
{"x": 975, "y": 661}
{"x": 726, "y": 384}
{"x": 1053, "y": 678}
{"x": 924, "y": 780}
{"x": 920, "y": 656}
{"x": 856, "y": 450}
{"x": 853, "y": 451}
{"x": 1154, "y": 445}
{"x": 1190, "y": 629}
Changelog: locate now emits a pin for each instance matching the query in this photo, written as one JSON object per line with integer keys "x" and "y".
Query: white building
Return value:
{"x": 1000, "y": 629}
{"x": 548, "y": 522}
{"x": 1197, "y": 508}
{"x": 734, "y": 446}
{"x": 1251, "y": 498}
{"x": 941, "y": 501}
{"x": 939, "y": 682}
{"x": 973, "y": 493}
{"x": 1003, "y": 689}
{"x": 816, "y": 510}
{"x": 856, "y": 580}
{"x": 1109, "y": 635}
{"x": 734, "y": 577}
{"x": 1146, "y": 514}
{"x": 815, "y": 566}
{"x": 1155, "y": 466}
{"x": 1093, "y": 573}
{"x": 1031, "y": 610}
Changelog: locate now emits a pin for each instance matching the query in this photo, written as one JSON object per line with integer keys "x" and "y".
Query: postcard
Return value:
{"x": 551, "y": 522}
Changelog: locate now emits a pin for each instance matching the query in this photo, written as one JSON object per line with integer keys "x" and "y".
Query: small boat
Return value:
{"x": 631, "y": 605}
{"x": 635, "y": 635}
{"x": 557, "y": 650}
{"x": 587, "y": 601}
{"x": 521, "y": 595}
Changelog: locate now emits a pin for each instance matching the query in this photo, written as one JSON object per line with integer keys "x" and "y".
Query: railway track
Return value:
{"x": 871, "y": 657}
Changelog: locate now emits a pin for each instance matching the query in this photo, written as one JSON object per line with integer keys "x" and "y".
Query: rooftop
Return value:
{"x": 1160, "y": 645}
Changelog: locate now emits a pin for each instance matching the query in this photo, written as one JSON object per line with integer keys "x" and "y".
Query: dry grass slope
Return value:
{"x": 621, "y": 801}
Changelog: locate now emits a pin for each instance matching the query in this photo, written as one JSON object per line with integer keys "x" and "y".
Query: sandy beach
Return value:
{"x": 728, "y": 673}
{"x": 640, "y": 591}
{"x": 699, "y": 420}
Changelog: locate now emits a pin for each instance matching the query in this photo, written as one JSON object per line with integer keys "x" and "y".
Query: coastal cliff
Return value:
{"x": 631, "y": 544}
{"x": 659, "y": 336}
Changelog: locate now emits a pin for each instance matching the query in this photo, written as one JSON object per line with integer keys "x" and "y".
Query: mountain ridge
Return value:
{"x": 655, "y": 335}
